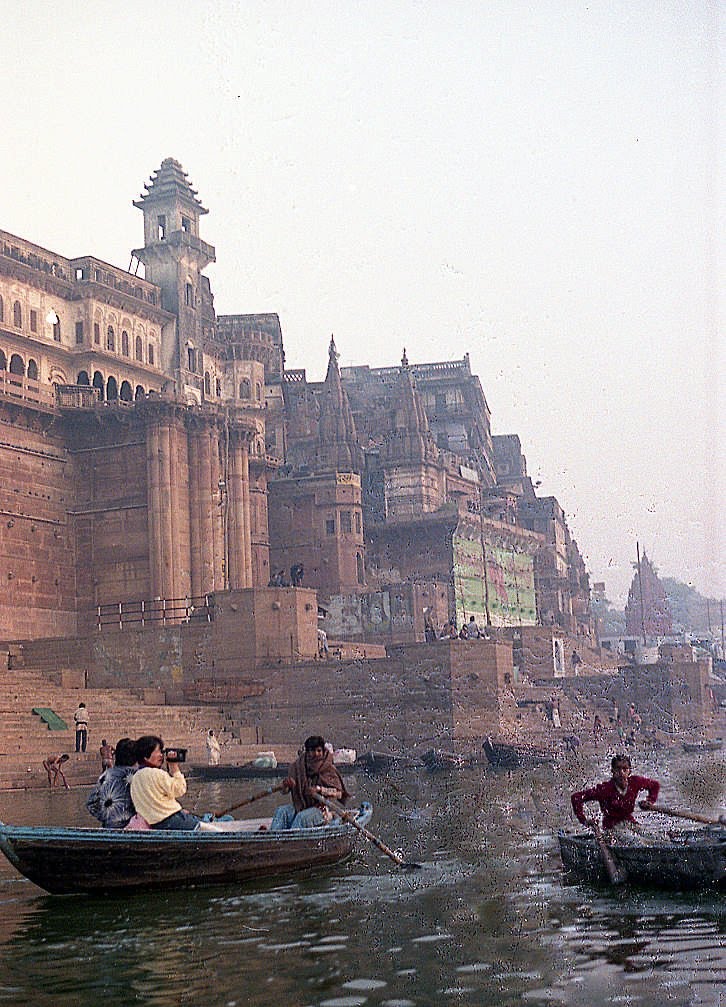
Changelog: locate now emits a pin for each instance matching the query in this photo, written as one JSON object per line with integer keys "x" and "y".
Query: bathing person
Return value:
{"x": 154, "y": 791}
{"x": 313, "y": 773}
{"x": 53, "y": 766}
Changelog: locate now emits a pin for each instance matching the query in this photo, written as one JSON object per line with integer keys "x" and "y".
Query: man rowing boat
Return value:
{"x": 312, "y": 774}
{"x": 617, "y": 797}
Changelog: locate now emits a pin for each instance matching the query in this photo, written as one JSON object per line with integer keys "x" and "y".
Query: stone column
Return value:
{"x": 239, "y": 548}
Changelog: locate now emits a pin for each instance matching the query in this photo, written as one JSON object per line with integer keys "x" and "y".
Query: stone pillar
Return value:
{"x": 168, "y": 508}
{"x": 238, "y": 512}
{"x": 218, "y": 496}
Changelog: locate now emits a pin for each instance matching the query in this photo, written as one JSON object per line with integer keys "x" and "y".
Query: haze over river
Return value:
{"x": 487, "y": 921}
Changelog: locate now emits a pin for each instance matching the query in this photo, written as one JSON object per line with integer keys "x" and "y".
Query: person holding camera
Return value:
{"x": 154, "y": 790}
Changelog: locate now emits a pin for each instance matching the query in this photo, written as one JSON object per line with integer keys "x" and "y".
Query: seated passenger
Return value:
{"x": 313, "y": 773}
{"x": 155, "y": 792}
{"x": 110, "y": 800}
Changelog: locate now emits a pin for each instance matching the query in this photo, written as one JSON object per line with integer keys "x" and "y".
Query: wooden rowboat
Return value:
{"x": 77, "y": 860}
{"x": 507, "y": 756}
{"x": 692, "y": 859}
{"x": 707, "y": 745}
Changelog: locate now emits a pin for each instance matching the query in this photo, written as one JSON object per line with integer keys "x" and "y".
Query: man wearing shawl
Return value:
{"x": 313, "y": 773}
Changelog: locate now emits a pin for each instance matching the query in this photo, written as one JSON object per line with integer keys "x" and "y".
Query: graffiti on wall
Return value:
{"x": 506, "y": 591}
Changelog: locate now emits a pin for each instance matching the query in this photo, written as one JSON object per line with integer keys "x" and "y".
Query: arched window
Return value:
{"x": 189, "y": 295}
{"x": 55, "y": 322}
{"x": 139, "y": 349}
{"x": 126, "y": 394}
{"x": 218, "y": 388}
{"x": 99, "y": 383}
{"x": 151, "y": 354}
{"x": 125, "y": 343}
{"x": 359, "y": 568}
{"x": 2, "y": 310}
{"x": 244, "y": 389}
{"x": 32, "y": 370}
{"x": 191, "y": 358}
{"x": 140, "y": 393}
{"x": 258, "y": 391}
{"x": 97, "y": 333}
{"x": 111, "y": 339}
{"x": 17, "y": 315}
{"x": 83, "y": 378}
{"x": 207, "y": 383}
{"x": 3, "y": 361}
{"x": 17, "y": 366}
{"x": 111, "y": 389}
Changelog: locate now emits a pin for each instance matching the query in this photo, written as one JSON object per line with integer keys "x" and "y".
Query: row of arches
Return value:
{"x": 16, "y": 365}
{"x": 109, "y": 389}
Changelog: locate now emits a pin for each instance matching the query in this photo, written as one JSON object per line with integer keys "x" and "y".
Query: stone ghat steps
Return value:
{"x": 25, "y": 739}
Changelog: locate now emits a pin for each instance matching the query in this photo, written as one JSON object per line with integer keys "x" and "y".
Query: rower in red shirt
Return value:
{"x": 616, "y": 796}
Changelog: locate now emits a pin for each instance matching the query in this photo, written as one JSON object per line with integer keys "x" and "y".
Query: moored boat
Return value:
{"x": 705, "y": 745}
{"x": 691, "y": 859}
{"x": 79, "y": 860}
{"x": 503, "y": 755}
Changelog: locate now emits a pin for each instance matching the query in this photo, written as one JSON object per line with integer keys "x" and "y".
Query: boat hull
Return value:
{"x": 67, "y": 861}
{"x": 506, "y": 756}
{"x": 698, "y": 861}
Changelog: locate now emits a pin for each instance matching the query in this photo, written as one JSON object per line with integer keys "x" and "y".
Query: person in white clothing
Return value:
{"x": 213, "y": 748}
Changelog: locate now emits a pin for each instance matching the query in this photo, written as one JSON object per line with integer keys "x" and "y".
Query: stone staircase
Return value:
{"x": 25, "y": 740}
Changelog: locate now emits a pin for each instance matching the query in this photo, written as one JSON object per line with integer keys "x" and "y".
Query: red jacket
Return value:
{"x": 615, "y": 806}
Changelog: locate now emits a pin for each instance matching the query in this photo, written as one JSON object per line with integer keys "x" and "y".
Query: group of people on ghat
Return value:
{"x": 137, "y": 792}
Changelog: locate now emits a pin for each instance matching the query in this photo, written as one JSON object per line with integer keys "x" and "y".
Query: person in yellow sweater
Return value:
{"x": 154, "y": 791}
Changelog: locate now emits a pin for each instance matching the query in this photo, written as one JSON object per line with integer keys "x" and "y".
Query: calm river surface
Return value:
{"x": 487, "y": 920}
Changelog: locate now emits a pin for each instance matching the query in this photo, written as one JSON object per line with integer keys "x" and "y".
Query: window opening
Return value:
{"x": 79, "y": 333}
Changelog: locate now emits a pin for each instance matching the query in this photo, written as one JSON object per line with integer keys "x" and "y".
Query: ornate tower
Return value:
{"x": 174, "y": 256}
{"x": 338, "y": 447}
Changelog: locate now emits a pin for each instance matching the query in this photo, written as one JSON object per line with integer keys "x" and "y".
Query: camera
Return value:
{"x": 175, "y": 754}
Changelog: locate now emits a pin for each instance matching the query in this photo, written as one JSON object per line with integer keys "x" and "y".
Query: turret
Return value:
{"x": 174, "y": 256}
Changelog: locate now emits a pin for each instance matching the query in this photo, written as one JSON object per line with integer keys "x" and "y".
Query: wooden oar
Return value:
{"x": 349, "y": 816}
{"x": 251, "y": 800}
{"x": 690, "y": 816}
{"x": 615, "y": 875}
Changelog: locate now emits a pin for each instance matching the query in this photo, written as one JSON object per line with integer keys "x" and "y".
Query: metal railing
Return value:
{"x": 158, "y": 611}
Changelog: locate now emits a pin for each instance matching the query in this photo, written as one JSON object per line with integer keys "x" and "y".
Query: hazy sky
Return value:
{"x": 536, "y": 183}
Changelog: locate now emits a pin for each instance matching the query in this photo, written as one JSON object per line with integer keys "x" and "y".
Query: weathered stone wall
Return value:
{"x": 37, "y": 555}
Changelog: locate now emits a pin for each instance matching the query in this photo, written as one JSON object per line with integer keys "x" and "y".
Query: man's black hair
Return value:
{"x": 313, "y": 742}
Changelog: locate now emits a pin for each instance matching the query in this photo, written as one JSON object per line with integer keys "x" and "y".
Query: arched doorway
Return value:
{"x": 126, "y": 394}
{"x": 17, "y": 365}
{"x": 83, "y": 378}
{"x": 111, "y": 389}
{"x": 32, "y": 370}
{"x": 140, "y": 393}
{"x": 100, "y": 384}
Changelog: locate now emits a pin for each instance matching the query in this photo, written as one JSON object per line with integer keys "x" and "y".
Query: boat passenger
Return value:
{"x": 110, "y": 800}
{"x": 313, "y": 773}
{"x": 155, "y": 792}
{"x": 617, "y": 797}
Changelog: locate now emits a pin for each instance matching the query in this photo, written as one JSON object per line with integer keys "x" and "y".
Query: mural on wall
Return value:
{"x": 510, "y": 587}
{"x": 507, "y": 592}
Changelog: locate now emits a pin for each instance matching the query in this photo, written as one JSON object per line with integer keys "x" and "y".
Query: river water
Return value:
{"x": 486, "y": 921}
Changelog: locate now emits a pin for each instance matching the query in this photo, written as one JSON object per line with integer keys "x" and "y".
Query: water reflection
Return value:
{"x": 487, "y": 921}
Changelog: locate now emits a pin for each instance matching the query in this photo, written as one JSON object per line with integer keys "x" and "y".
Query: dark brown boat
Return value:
{"x": 503, "y": 755}
{"x": 69, "y": 860}
{"x": 689, "y": 860}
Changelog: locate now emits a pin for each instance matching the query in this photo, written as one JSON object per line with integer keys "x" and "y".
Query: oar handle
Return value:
{"x": 349, "y": 816}
{"x": 615, "y": 875}
{"x": 251, "y": 800}
{"x": 690, "y": 816}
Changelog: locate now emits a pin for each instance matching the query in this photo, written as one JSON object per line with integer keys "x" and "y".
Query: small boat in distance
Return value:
{"x": 67, "y": 861}
{"x": 689, "y": 860}
{"x": 704, "y": 745}
{"x": 503, "y": 755}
